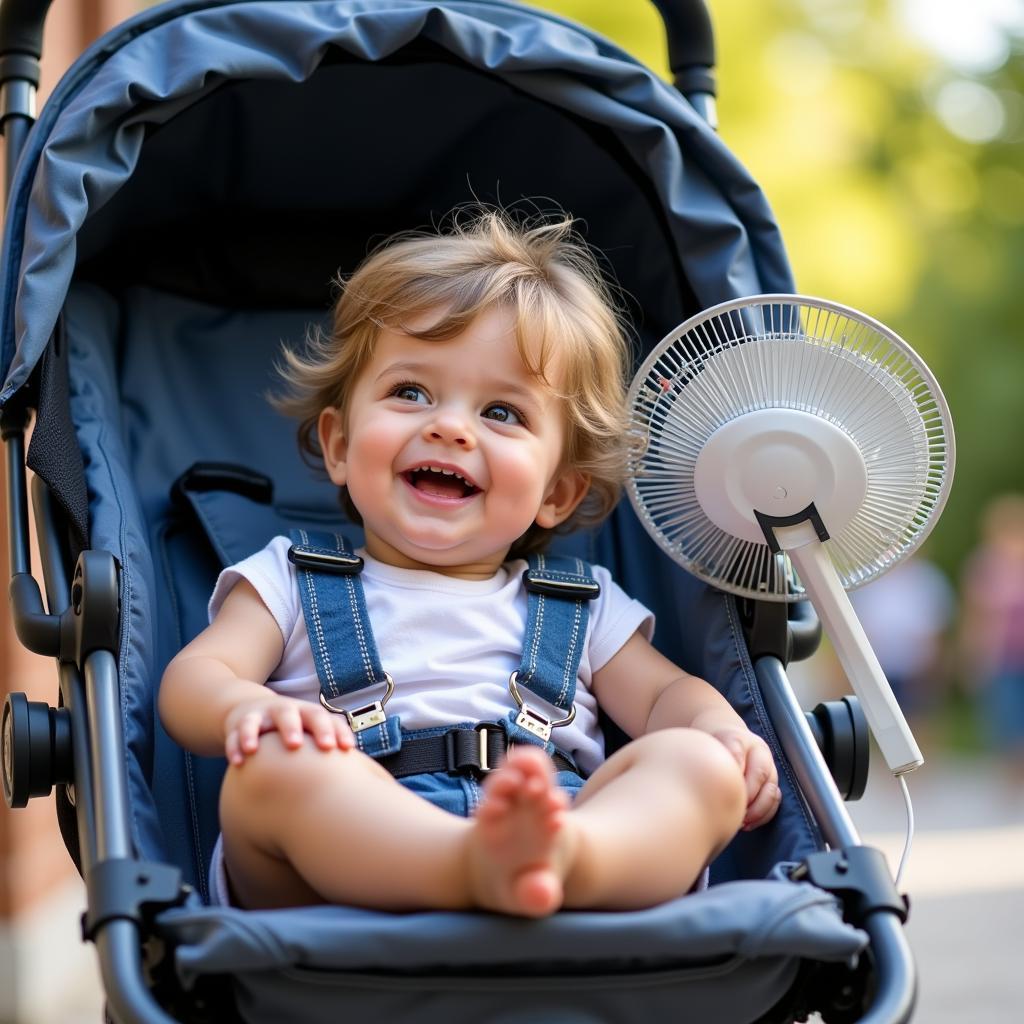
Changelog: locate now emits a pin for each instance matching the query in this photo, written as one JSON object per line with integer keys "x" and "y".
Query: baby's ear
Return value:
{"x": 330, "y": 431}
{"x": 565, "y": 492}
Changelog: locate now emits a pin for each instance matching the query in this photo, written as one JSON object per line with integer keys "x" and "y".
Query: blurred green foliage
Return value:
{"x": 893, "y": 162}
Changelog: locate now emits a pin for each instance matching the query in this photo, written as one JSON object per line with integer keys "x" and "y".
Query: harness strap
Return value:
{"x": 558, "y": 590}
{"x": 344, "y": 650}
{"x": 346, "y": 657}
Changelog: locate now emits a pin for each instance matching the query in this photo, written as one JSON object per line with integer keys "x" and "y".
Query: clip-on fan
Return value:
{"x": 779, "y": 432}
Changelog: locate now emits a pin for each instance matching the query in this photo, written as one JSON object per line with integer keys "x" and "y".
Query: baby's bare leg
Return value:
{"x": 309, "y": 826}
{"x": 305, "y": 826}
{"x": 650, "y": 818}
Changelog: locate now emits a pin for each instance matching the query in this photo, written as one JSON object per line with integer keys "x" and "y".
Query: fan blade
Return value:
{"x": 840, "y": 622}
{"x": 880, "y": 425}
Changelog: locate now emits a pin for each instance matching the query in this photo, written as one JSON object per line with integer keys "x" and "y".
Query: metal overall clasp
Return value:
{"x": 531, "y": 719}
{"x": 368, "y": 715}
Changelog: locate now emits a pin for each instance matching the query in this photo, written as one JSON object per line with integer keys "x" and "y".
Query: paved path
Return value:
{"x": 965, "y": 878}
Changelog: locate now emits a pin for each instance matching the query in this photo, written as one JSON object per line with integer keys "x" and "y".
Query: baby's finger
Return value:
{"x": 755, "y": 780}
{"x": 288, "y": 722}
{"x": 343, "y": 732}
{"x": 763, "y": 807}
{"x": 249, "y": 732}
{"x": 760, "y": 771}
{"x": 232, "y": 751}
{"x": 317, "y": 722}
{"x": 737, "y": 748}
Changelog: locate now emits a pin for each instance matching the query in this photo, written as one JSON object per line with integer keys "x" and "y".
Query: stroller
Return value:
{"x": 179, "y": 207}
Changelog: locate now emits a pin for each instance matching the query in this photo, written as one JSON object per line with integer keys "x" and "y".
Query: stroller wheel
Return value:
{"x": 35, "y": 748}
{"x": 841, "y": 732}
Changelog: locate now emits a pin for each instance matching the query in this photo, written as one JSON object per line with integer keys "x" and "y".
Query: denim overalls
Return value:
{"x": 444, "y": 764}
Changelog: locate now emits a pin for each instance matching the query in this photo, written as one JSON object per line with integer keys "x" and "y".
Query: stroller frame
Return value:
{"x": 83, "y": 739}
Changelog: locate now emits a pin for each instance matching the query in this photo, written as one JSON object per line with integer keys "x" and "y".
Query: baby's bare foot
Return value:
{"x": 519, "y": 847}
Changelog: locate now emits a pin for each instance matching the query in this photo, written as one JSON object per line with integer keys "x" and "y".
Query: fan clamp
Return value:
{"x": 777, "y": 467}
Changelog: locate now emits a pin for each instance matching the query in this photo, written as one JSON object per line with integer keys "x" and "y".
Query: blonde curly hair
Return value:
{"x": 562, "y": 303}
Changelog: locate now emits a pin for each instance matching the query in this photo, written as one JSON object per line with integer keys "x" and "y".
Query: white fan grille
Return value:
{"x": 789, "y": 352}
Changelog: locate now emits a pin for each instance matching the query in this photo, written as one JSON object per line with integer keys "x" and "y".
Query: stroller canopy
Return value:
{"x": 173, "y": 152}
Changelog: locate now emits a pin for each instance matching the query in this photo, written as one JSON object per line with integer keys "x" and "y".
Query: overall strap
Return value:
{"x": 344, "y": 651}
{"x": 558, "y": 591}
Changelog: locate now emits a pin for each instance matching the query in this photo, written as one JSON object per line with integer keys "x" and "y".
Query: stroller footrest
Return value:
{"x": 125, "y": 889}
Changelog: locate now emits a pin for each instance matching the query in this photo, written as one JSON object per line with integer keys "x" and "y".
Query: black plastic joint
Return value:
{"x": 765, "y": 624}
{"x": 122, "y": 889}
{"x": 859, "y": 876}
{"x": 789, "y": 632}
{"x": 769, "y": 523}
{"x": 92, "y": 622}
{"x": 39, "y": 632}
{"x": 19, "y": 66}
{"x": 695, "y": 79}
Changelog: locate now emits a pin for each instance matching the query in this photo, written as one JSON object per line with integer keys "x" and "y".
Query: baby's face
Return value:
{"x": 451, "y": 449}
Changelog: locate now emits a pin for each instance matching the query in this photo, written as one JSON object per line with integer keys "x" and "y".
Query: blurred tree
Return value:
{"x": 887, "y": 136}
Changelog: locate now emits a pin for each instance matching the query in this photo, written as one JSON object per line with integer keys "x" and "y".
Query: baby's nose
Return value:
{"x": 451, "y": 429}
{"x": 456, "y": 440}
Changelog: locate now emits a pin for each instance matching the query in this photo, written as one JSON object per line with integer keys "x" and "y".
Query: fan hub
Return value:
{"x": 778, "y": 462}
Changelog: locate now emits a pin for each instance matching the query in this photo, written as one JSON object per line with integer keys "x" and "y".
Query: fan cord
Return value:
{"x": 902, "y": 780}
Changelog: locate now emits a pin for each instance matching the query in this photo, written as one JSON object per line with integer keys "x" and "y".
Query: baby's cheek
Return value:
{"x": 370, "y": 496}
{"x": 371, "y": 458}
{"x": 517, "y": 500}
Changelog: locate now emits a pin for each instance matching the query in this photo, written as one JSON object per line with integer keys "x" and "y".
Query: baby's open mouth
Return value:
{"x": 443, "y": 483}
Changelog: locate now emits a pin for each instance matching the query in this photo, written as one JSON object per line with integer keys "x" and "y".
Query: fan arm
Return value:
{"x": 888, "y": 724}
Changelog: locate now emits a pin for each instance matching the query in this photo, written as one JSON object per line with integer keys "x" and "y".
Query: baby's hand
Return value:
{"x": 758, "y": 767}
{"x": 246, "y": 722}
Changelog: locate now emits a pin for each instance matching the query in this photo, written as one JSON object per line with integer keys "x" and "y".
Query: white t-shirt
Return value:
{"x": 450, "y": 645}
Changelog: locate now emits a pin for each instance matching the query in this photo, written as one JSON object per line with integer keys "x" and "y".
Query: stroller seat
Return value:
{"x": 755, "y": 931}
{"x": 180, "y": 209}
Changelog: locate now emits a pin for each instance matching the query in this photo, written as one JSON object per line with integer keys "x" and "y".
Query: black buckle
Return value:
{"x": 561, "y": 584}
{"x": 324, "y": 560}
{"x": 475, "y": 751}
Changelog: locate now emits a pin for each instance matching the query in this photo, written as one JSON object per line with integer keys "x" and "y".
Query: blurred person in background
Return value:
{"x": 907, "y": 614}
{"x": 992, "y": 627}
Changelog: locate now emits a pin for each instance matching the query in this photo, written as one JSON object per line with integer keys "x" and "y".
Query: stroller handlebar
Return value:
{"x": 691, "y": 39}
{"x": 21, "y": 26}
{"x": 691, "y": 44}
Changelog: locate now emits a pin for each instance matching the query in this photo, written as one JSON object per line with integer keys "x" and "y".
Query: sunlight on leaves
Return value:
{"x": 886, "y": 136}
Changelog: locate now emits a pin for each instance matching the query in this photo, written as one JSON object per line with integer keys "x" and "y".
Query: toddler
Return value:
{"x": 468, "y": 400}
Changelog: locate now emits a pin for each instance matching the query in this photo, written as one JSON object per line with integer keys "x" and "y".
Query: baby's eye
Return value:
{"x": 409, "y": 393}
{"x": 502, "y": 413}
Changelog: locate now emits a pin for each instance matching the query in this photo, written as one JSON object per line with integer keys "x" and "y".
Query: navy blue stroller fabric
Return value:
{"x": 90, "y": 137}
{"x": 178, "y": 211}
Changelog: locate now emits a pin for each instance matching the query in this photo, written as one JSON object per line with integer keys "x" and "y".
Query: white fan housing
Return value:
{"x": 780, "y": 432}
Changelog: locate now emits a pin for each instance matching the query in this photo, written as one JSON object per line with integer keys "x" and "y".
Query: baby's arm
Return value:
{"x": 212, "y": 698}
{"x": 643, "y": 691}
